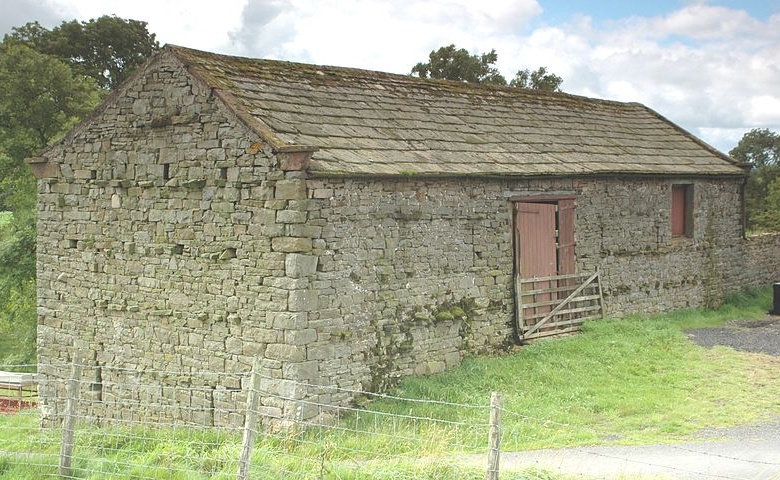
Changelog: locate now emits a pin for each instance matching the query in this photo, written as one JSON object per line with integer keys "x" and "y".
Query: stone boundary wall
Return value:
{"x": 762, "y": 261}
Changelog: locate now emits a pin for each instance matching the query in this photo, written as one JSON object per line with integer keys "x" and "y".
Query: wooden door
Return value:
{"x": 536, "y": 240}
{"x": 536, "y": 254}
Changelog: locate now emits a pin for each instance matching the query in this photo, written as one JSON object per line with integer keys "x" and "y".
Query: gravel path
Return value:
{"x": 757, "y": 336}
{"x": 739, "y": 453}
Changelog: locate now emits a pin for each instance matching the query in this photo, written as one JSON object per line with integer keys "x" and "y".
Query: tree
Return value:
{"x": 761, "y": 149}
{"x": 107, "y": 49}
{"x": 452, "y": 63}
{"x": 539, "y": 79}
{"x": 41, "y": 98}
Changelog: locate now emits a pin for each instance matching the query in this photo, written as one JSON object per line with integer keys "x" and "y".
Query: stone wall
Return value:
{"x": 416, "y": 273}
{"x": 623, "y": 228}
{"x": 762, "y": 262}
{"x": 171, "y": 243}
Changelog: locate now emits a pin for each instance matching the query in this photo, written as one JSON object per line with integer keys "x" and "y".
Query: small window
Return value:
{"x": 166, "y": 171}
{"x": 682, "y": 211}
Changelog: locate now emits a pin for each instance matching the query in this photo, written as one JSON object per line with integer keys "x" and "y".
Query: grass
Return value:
{"x": 6, "y": 218}
{"x": 631, "y": 381}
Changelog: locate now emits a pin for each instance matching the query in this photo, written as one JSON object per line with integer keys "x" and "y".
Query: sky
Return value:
{"x": 711, "y": 66}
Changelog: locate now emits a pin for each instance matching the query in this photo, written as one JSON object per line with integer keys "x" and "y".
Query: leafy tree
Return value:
{"x": 452, "y": 63}
{"x": 761, "y": 148}
{"x": 41, "y": 98}
{"x": 539, "y": 79}
{"x": 107, "y": 49}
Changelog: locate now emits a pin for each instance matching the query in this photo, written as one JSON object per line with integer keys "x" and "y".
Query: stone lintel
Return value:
{"x": 43, "y": 168}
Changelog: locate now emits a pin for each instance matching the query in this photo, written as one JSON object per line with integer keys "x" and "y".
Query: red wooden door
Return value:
{"x": 536, "y": 251}
{"x": 536, "y": 254}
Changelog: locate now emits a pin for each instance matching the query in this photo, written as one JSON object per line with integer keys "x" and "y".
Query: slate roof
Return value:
{"x": 374, "y": 123}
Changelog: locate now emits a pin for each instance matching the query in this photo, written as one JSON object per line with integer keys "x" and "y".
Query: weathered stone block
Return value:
{"x": 300, "y": 337}
{"x": 323, "y": 351}
{"x": 285, "y": 352}
{"x": 303, "y": 372}
{"x": 297, "y": 265}
{"x": 287, "y": 320}
{"x": 302, "y": 300}
{"x": 290, "y": 216}
{"x": 290, "y": 189}
{"x": 291, "y": 244}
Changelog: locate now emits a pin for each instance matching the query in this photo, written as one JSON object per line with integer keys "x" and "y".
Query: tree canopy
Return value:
{"x": 107, "y": 49}
{"x": 761, "y": 148}
{"x": 51, "y": 80}
{"x": 539, "y": 79}
{"x": 40, "y": 99}
{"x": 452, "y": 63}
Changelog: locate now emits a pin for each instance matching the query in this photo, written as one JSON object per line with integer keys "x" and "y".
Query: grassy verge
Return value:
{"x": 629, "y": 381}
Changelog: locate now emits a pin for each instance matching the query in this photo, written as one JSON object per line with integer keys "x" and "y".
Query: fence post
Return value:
{"x": 250, "y": 422}
{"x": 69, "y": 421}
{"x": 494, "y": 436}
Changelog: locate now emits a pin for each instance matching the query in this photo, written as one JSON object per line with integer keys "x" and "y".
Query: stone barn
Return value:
{"x": 352, "y": 227}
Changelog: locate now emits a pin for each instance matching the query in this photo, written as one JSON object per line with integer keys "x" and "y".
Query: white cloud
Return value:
{"x": 713, "y": 70}
{"x": 383, "y": 34}
{"x": 765, "y": 109}
{"x": 196, "y": 23}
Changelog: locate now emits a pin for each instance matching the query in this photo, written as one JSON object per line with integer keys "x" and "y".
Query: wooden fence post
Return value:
{"x": 494, "y": 436}
{"x": 69, "y": 421}
{"x": 250, "y": 422}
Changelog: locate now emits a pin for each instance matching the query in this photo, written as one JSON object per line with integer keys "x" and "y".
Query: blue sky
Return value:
{"x": 556, "y": 11}
{"x": 711, "y": 66}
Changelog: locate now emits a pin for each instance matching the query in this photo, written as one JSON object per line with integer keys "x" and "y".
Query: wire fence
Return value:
{"x": 99, "y": 423}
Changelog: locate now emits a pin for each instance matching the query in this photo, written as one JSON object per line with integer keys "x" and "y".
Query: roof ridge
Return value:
{"x": 406, "y": 79}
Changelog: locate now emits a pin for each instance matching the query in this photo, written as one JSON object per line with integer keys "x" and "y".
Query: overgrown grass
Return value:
{"x": 629, "y": 381}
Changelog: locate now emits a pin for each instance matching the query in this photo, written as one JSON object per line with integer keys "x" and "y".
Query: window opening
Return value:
{"x": 682, "y": 210}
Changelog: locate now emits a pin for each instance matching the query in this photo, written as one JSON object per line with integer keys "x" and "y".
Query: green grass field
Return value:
{"x": 631, "y": 381}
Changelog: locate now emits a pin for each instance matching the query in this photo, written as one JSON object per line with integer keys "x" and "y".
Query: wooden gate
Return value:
{"x": 551, "y": 297}
{"x": 557, "y": 304}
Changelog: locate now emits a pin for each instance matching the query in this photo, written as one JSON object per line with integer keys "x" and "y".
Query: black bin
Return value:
{"x": 776, "y": 309}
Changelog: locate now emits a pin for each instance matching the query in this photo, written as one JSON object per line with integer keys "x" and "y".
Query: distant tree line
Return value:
{"x": 761, "y": 149}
